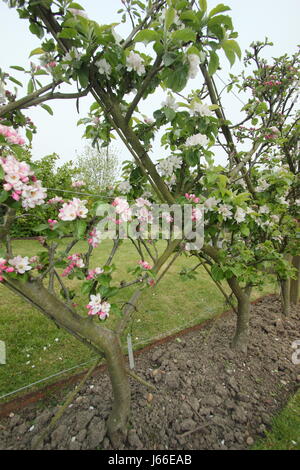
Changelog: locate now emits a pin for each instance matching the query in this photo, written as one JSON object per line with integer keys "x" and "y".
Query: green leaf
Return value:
{"x": 203, "y": 5}
{"x": 233, "y": 45}
{"x": 68, "y": 33}
{"x": 221, "y": 20}
{"x": 36, "y": 51}
{"x": 76, "y": 6}
{"x": 1, "y": 173}
{"x": 3, "y": 196}
{"x": 213, "y": 62}
{"x": 40, "y": 228}
{"x": 37, "y": 30}
{"x": 30, "y": 87}
{"x": 148, "y": 35}
{"x": 217, "y": 273}
{"x": 218, "y": 9}
{"x": 14, "y": 80}
{"x": 188, "y": 15}
{"x": 230, "y": 56}
{"x": 47, "y": 108}
{"x": 80, "y": 228}
{"x": 169, "y": 18}
{"x": 17, "y": 67}
{"x": 169, "y": 58}
{"x": 185, "y": 35}
{"x": 176, "y": 81}
{"x": 83, "y": 76}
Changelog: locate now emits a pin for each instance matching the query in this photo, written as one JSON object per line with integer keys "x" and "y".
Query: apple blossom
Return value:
{"x": 104, "y": 68}
{"x": 135, "y": 62}
{"x": 240, "y": 215}
{"x": 170, "y": 102}
{"x": 225, "y": 211}
{"x": 144, "y": 264}
{"x": 97, "y": 307}
{"x": 20, "y": 264}
{"x": 197, "y": 139}
{"x": 73, "y": 209}
{"x": 194, "y": 62}
{"x": 94, "y": 238}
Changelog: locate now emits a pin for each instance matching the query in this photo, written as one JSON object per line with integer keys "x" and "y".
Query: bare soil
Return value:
{"x": 207, "y": 396}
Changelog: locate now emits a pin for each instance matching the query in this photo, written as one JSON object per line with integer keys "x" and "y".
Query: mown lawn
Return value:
{"x": 285, "y": 432}
{"x": 37, "y": 349}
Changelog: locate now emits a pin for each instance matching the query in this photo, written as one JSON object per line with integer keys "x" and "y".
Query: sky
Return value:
{"x": 253, "y": 20}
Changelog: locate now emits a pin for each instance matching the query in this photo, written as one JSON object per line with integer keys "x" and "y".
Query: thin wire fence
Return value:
{"x": 144, "y": 341}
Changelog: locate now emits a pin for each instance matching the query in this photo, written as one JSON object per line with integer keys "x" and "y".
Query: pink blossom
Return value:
{"x": 97, "y": 307}
{"x": 11, "y": 135}
{"x": 95, "y": 238}
{"x": 73, "y": 209}
{"x": 52, "y": 223}
{"x": 144, "y": 264}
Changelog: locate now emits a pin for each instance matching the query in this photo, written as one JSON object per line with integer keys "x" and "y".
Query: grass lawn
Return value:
{"x": 285, "y": 433}
{"x": 37, "y": 349}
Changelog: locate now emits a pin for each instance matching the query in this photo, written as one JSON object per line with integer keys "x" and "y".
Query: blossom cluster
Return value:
{"x": 92, "y": 273}
{"x": 11, "y": 135}
{"x": 18, "y": 264}
{"x": 194, "y": 62}
{"x": 21, "y": 181}
{"x": 167, "y": 166}
{"x": 4, "y": 268}
{"x": 73, "y": 209}
{"x": 145, "y": 265}
{"x": 124, "y": 187}
{"x": 94, "y": 238}
{"x": 135, "y": 62}
{"x": 201, "y": 109}
{"x": 78, "y": 184}
{"x": 75, "y": 262}
{"x": 98, "y": 307}
{"x": 197, "y": 139}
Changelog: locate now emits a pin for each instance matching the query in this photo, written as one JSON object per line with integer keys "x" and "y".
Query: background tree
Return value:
{"x": 97, "y": 167}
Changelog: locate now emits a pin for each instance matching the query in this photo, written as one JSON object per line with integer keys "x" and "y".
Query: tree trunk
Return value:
{"x": 240, "y": 340}
{"x": 92, "y": 334}
{"x": 295, "y": 283}
{"x": 118, "y": 419}
{"x": 285, "y": 286}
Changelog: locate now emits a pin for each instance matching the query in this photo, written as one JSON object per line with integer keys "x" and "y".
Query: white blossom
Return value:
{"x": 20, "y": 264}
{"x": 170, "y": 102}
{"x": 167, "y": 166}
{"x": 197, "y": 139}
{"x": 262, "y": 186}
{"x": 200, "y": 108}
{"x": 124, "y": 187}
{"x": 135, "y": 62}
{"x": 225, "y": 211}
{"x": 240, "y": 215}
{"x": 104, "y": 67}
{"x": 210, "y": 203}
{"x": 194, "y": 62}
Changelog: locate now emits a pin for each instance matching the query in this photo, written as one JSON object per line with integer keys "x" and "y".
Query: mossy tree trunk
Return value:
{"x": 295, "y": 283}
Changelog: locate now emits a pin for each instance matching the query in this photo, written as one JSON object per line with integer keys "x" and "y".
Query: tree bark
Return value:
{"x": 95, "y": 336}
{"x": 118, "y": 418}
{"x": 240, "y": 339}
{"x": 295, "y": 283}
{"x": 285, "y": 286}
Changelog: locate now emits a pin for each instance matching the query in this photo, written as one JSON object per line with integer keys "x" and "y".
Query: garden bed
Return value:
{"x": 207, "y": 396}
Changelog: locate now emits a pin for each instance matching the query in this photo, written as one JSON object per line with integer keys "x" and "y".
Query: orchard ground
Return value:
{"x": 37, "y": 349}
{"x": 206, "y": 396}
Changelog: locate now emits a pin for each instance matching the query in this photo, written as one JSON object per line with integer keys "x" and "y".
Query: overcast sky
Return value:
{"x": 254, "y": 20}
